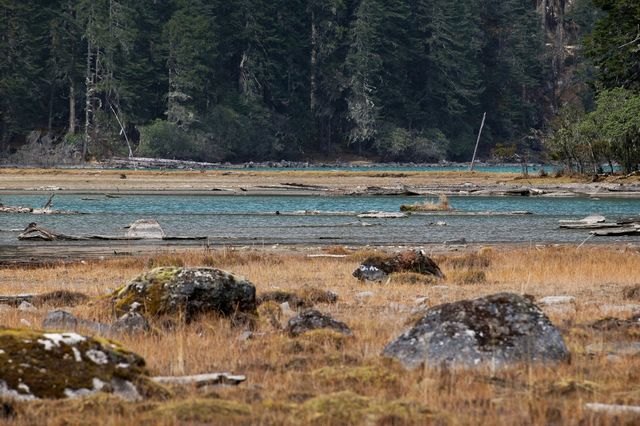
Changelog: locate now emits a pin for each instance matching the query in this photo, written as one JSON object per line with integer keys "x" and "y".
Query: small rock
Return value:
{"x": 60, "y": 320}
{"x": 286, "y": 309}
{"x": 365, "y": 294}
{"x": 556, "y": 300}
{"x": 494, "y": 330}
{"x": 25, "y": 322}
{"x": 245, "y": 335}
{"x": 131, "y": 322}
{"x": 313, "y": 320}
{"x": 421, "y": 300}
{"x": 26, "y": 307}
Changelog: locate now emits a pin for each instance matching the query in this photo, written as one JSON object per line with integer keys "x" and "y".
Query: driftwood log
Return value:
{"x": 37, "y": 233}
{"x": 200, "y": 380}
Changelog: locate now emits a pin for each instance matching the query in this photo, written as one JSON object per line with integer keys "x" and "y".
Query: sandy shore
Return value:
{"x": 256, "y": 182}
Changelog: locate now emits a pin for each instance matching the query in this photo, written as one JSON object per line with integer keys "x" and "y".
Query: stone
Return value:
{"x": 631, "y": 293}
{"x": 377, "y": 268}
{"x": 26, "y": 307}
{"x": 556, "y": 300}
{"x": 146, "y": 228}
{"x": 365, "y": 294}
{"x": 40, "y": 364}
{"x": 313, "y": 320}
{"x": 495, "y": 330}
{"x": 65, "y": 321}
{"x": 131, "y": 323}
{"x": 60, "y": 320}
{"x": 186, "y": 293}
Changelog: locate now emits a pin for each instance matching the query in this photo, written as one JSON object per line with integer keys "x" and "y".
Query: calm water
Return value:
{"x": 253, "y": 218}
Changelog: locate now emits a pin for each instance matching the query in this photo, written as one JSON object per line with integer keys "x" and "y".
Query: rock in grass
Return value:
{"x": 131, "y": 323}
{"x": 38, "y": 364}
{"x": 60, "y": 320}
{"x": 377, "y": 268}
{"x": 495, "y": 330}
{"x": 313, "y": 320}
{"x": 186, "y": 293}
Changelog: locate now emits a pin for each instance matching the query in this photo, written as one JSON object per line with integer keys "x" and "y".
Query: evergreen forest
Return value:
{"x": 390, "y": 80}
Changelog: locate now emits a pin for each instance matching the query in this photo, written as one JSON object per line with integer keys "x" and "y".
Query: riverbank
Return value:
{"x": 300, "y": 182}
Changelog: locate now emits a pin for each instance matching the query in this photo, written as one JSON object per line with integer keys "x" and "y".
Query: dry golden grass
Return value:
{"x": 326, "y": 378}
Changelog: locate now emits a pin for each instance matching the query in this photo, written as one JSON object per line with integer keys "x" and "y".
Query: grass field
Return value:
{"x": 326, "y": 378}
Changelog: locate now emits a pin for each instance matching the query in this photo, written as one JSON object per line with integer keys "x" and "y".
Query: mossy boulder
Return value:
{"x": 186, "y": 293}
{"x": 40, "y": 364}
{"x": 378, "y": 267}
{"x": 496, "y": 330}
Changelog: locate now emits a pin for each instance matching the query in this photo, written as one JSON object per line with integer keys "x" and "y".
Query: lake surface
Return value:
{"x": 247, "y": 219}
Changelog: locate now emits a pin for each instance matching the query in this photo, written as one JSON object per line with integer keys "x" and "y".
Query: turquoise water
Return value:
{"x": 253, "y": 218}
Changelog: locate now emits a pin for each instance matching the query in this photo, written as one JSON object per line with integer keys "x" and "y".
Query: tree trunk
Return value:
{"x": 72, "y": 108}
{"x": 314, "y": 64}
{"x": 88, "y": 102}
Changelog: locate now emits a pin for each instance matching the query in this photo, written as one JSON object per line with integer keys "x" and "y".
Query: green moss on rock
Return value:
{"x": 38, "y": 364}
{"x": 186, "y": 293}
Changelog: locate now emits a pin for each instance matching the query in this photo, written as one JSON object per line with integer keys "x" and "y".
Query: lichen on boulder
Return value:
{"x": 187, "y": 293}
{"x": 495, "y": 330}
{"x": 40, "y": 364}
{"x": 377, "y": 268}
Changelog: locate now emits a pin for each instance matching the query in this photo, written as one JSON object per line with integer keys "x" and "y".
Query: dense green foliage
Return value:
{"x": 585, "y": 136}
{"x": 232, "y": 80}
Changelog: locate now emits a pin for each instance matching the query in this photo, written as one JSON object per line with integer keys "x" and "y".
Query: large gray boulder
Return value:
{"x": 495, "y": 330}
{"x": 186, "y": 293}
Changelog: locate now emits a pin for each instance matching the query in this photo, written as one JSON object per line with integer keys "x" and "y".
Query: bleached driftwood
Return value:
{"x": 612, "y": 408}
{"x": 382, "y": 215}
{"x": 200, "y": 380}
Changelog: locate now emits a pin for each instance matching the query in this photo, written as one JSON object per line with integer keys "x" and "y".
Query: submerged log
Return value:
{"x": 382, "y": 215}
{"x": 38, "y": 233}
{"x": 590, "y": 226}
{"x": 617, "y": 232}
{"x": 35, "y": 232}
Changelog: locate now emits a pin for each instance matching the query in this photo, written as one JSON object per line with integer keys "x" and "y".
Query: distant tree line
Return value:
{"x": 588, "y": 136}
{"x": 215, "y": 80}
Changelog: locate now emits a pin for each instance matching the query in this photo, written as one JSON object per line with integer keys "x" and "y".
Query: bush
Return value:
{"x": 166, "y": 140}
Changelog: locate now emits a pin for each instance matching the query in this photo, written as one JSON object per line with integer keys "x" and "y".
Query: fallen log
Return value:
{"x": 200, "y": 380}
{"x": 588, "y": 220}
{"x": 382, "y": 215}
{"x": 614, "y": 409}
{"x": 617, "y": 232}
{"x": 35, "y": 232}
{"x": 590, "y": 225}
